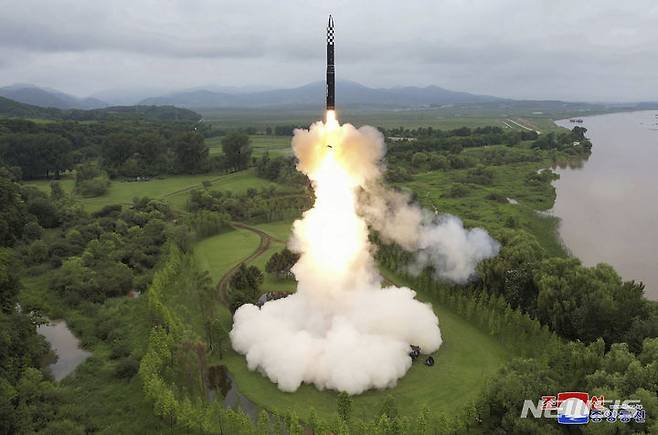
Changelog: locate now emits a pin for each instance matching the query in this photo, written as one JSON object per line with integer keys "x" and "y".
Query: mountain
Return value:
{"x": 347, "y": 94}
{"x": 133, "y": 95}
{"x": 44, "y": 97}
{"x": 14, "y": 109}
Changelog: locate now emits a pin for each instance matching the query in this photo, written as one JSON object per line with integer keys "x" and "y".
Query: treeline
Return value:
{"x": 490, "y": 131}
{"x": 573, "y": 142}
{"x": 14, "y": 109}
{"x": 264, "y": 205}
{"x": 279, "y": 169}
{"x": 402, "y": 165}
{"x": 277, "y": 130}
{"x": 41, "y": 150}
{"x": 577, "y": 302}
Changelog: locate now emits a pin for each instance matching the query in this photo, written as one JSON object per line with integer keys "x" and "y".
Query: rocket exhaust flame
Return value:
{"x": 341, "y": 330}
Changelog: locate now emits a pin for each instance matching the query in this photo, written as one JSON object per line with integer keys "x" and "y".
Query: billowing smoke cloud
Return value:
{"x": 440, "y": 241}
{"x": 341, "y": 330}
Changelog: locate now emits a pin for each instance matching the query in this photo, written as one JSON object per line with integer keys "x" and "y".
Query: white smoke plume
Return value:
{"x": 440, "y": 241}
{"x": 341, "y": 330}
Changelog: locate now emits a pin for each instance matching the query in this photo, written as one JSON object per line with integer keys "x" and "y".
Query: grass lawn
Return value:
{"x": 217, "y": 254}
{"x": 174, "y": 189}
{"x": 280, "y": 229}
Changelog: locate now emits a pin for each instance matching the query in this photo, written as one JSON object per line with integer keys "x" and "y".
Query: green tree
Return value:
{"x": 344, "y": 406}
{"x": 191, "y": 153}
{"x": 237, "y": 150}
{"x": 13, "y": 213}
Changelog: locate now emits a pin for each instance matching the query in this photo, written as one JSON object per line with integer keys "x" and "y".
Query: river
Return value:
{"x": 65, "y": 345}
{"x": 608, "y": 207}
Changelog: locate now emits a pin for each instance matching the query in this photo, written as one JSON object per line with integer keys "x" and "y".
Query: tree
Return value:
{"x": 244, "y": 286}
{"x": 191, "y": 153}
{"x": 389, "y": 408}
{"x": 344, "y": 406}
{"x": 13, "y": 213}
{"x": 237, "y": 150}
{"x": 280, "y": 263}
{"x": 9, "y": 282}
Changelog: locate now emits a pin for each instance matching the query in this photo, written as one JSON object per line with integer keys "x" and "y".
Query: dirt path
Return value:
{"x": 263, "y": 246}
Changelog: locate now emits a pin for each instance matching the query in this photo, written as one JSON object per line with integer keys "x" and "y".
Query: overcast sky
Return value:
{"x": 574, "y": 50}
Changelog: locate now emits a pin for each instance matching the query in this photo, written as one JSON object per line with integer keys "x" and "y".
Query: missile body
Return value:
{"x": 331, "y": 76}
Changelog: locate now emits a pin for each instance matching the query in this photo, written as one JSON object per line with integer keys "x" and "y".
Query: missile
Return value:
{"x": 331, "y": 76}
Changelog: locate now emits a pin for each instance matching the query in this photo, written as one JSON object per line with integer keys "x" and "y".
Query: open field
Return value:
{"x": 173, "y": 190}
{"x": 275, "y": 145}
{"x": 217, "y": 254}
{"x": 539, "y": 115}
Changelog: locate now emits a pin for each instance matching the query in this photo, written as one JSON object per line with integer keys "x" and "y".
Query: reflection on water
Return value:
{"x": 608, "y": 205}
{"x": 221, "y": 384}
{"x": 65, "y": 345}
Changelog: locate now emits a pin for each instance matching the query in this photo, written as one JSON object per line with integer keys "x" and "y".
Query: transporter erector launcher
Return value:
{"x": 331, "y": 72}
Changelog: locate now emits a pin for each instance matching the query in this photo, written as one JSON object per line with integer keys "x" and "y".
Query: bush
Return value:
{"x": 94, "y": 187}
{"x": 495, "y": 196}
{"x": 32, "y": 231}
{"x": 207, "y": 223}
{"x": 480, "y": 175}
{"x": 456, "y": 191}
{"x": 126, "y": 368}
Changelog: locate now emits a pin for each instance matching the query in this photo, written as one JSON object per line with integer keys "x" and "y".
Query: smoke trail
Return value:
{"x": 341, "y": 330}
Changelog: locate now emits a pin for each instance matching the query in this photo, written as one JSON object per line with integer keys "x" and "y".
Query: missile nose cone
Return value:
{"x": 331, "y": 22}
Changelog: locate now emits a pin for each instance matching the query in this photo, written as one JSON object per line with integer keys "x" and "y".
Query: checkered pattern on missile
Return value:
{"x": 330, "y": 36}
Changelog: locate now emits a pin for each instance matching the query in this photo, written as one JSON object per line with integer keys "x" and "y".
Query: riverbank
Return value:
{"x": 608, "y": 206}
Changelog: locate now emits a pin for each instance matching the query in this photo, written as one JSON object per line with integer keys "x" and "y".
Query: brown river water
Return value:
{"x": 609, "y": 205}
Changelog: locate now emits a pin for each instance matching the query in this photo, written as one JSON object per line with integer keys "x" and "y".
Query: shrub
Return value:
{"x": 126, "y": 368}
{"x": 94, "y": 187}
{"x": 456, "y": 191}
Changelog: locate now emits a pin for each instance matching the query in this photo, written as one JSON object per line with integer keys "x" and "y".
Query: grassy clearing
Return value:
{"x": 465, "y": 360}
{"x": 275, "y": 145}
{"x": 280, "y": 230}
{"x": 219, "y": 253}
{"x": 173, "y": 190}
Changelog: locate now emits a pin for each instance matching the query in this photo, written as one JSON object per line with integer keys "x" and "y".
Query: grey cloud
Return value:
{"x": 509, "y": 48}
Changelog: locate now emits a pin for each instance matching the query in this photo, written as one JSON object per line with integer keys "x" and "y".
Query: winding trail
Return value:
{"x": 265, "y": 243}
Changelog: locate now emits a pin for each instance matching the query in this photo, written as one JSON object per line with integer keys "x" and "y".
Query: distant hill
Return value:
{"x": 42, "y": 97}
{"x": 312, "y": 94}
{"x": 13, "y": 109}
